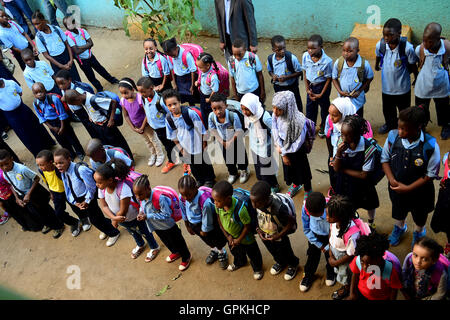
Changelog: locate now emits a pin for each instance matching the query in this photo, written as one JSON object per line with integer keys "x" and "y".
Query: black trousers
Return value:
{"x": 201, "y": 167}
{"x": 235, "y": 155}
{"x": 214, "y": 238}
{"x": 360, "y": 112}
{"x": 28, "y": 220}
{"x": 312, "y": 107}
{"x": 314, "y": 254}
{"x": 39, "y": 202}
{"x": 442, "y": 109}
{"x": 390, "y": 105}
{"x": 205, "y": 108}
{"x": 295, "y": 90}
{"x": 88, "y": 66}
{"x": 64, "y": 58}
{"x": 174, "y": 241}
{"x": 112, "y": 136}
{"x": 68, "y": 139}
{"x": 241, "y": 252}
{"x": 299, "y": 171}
{"x": 59, "y": 201}
{"x": 169, "y": 145}
{"x": 90, "y": 127}
{"x": 266, "y": 169}
{"x": 282, "y": 252}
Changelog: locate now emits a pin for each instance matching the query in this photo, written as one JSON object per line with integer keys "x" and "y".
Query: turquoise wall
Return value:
{"x": 334, "y": 20}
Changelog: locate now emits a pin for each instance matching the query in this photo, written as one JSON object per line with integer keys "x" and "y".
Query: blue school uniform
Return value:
{"x": 22, "y": 178}
{"x": 48, "y": 112}
{"x": 245, "y": 74}
{"x": 86, "y": 54}
{"x": 76, "y": 188}
{"x": 227, "y": 129}
{"x": 42, "y": 72}
{"x": 179, "y": 68}
{"x": 313, "y": 226}
{"x": 158, "y": 219}
{"x": 152, "y": 66}
{"x": 190, "y": 140}
{"x": 115, "y": 155}
{"x": 155, "y": 119}
{"x": 190, "y": 211}
{"x": 317, "y": 72}
{"x": 279, "y": 133}
{"x": 54, "y": 41}
{"x": 13, "y": 36}
{"x": 433, "y": 79}
{"x": 78, "y": 89}
{"x": 261, "y": 147}
{"x": 10, "y": 97}
{"x": 395, "y": 78}
{"x": 349, "y": 79}
{"x": 280, "y": 69}
{"x": 214, "y": 85}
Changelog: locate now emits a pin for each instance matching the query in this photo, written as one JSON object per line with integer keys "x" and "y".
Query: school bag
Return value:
{"x": 83, "y": 86}
{"x": 77, "y": 169}
{"x": 394, "y": 260}
{"x": 243, "y": 199}
{"x": 280, "y": 199}
{"x": 359, "y": 226}
{"x": 195, "y": 51}
{"x": 42, "y": 39}
{"x": 158, "y": 64}
{"x": 251, "y": 60}
{"x": 428, "y": 143}
{"x": 387, "y": 271}
{"x": 83, "y": 36}
{"x": 234, "y": 109}
{"x": 367, "y": 135}
{"x": 401, "y": 52}
{"x": 129, "y": 181}
{"x": 118, "y": 119}
{"x": 222, "y": 75}
{"x": 49, "y": 100}
{"x": 373, "y": 148}
{"x": 360, "y": 71}
{"x": 185, "y": 114}
{"x": 289, "y": 64}
{"x": 310, "y": 135}
{"x": 445, "y": 56}
{"x": 263, "y": 124}
{"x": 203, "y": 197}
{"x": 172, "y": 195}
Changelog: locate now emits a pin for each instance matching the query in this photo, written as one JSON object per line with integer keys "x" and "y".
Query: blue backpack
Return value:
{"x": 243, "y": 199}
{"x": 373, "y": 148}
{"x": 118, "y": 118}
{"x": 83, "y": 86}
{"x": 401, "y": 52}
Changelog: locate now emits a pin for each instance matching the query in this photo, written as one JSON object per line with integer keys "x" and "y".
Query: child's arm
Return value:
{"x": 309, "y": 234}
{"x": 261, "y": 86}
{"x": 233, "y": 86}
{"x": 105, "y": 209}
{"x": 27, "y": 197}
{"x": 377, "y": 63}
{"x": 33, "y": 45}
{"x": 53, "y": 61}
{"x": 307, "y": 84}
{"x": 112, "y": 107}
{"x": 337, "y": 85}
{"x": 366, "y": 83}
{"x": 237, "y": 241}
{"x": 325, "y": 88}
{"x": 344, "y": 260}
{"x": 80, "y": 49}
{"x": 126, "y": 116}
{"x": 354, "y": 287}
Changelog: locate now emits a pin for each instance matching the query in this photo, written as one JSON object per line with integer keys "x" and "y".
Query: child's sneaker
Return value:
{"x": 186, "y": 169}
{"x": 76, "y": 229}
{"x": 258, "y": 275}
{"x": 212, "y": 257}
{"x": 232, "y": 267}
{"x": 184, "y": 265}
{"x": 397, "y": 233}
{"x": 57, "y": 233}
{"x": 172, "y": 257}
{"x": 417, "y": 236}
{"x": 306, "y": 283}
{"x": 330, "y": 280}
{"x": 231, "y": 179}
{"x": 45, "y": 230}
{"x": 112, "y": 240}
{"x": 87, "y": 225}
{"x": 151, "y": 160}
{"x": 293, "y": 190}
{"x": 290, "y": 273}
{"x": 244, "y": 176}
{"x": 169, "y": 166}
{"x": 223, "y": 260}
{"x": 160, "y": 160}
{"x": 276, "y": 269}
{"x": 102, "y": 236}
{"x": 4, "y": 218}
{"x": 321, "y": 133}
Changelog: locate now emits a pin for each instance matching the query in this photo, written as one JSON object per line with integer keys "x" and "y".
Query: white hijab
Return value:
{"x": 252, "y": 103}
{"x": 345, "y": 107}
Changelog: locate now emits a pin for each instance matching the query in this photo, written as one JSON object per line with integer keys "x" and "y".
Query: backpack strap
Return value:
{"x": 382, "y": 51}
{"x": 232, "y": 62}
{"x": 446, "y": 55}
{"x": 361, "y": 70}
{"x": 270, "y": 61}
{"x": 288, "y": 61}
{"x": 184, "y": 57}
{"x": 421, "y": 55}
{"x": 42, "y": 39}
{"x": 237, "y": 210}
{"x": 370, "y": 150}
{"x": 49, "y": 99}
{"x": 158, "y": 64}
{"x": 170, "y": 121}
{"x": 387, "y": 271}
{"x": 77, "y": 169}
{"x": 340, "y": 66}
{"x": 144, "y": 62}
{"x": 15, "y": 25}
{"x": 187, "y": 119}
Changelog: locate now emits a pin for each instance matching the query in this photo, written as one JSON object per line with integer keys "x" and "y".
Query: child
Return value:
{"x": 189, "y": 138}
{"x": 52, "y": 43}
{"x": 410, "y": 160}
{"x": 21, "y": 119}
{"x": 100, "y": 154}
{"x": 259, "y": 124}
{"x": 246, "y": 72}
{"x": 184, "y": 76}
{"x": 102, "y": 114}
{"x": 424, "y": 274}
{"x": 341, "y": 216}
{"x": 118, "y": 203}
{"x": 200, "y": 218}
{"x": 352, "y": 75}
{"x": 30, "y": 194}
{"x": 441, "y": 219}
{"x": 289, "y": 130}
{"x": 161, "y": 222}
{"x": 374, "y": 278}
{"x": 227, "y": 127}
{"x": 50, "y": 110}
{"x": 206, "y": 64}
{"x": 52, "y": 177}
{"x": 396, "y": 59}
{"x": 353, "y": 165}
{"x": 81, "y": 194}
{"x": 15, "y": 38}
{"x": 155, "y": 112}
{"x": 433, "y": 79}
{"x": 276, "y": 220}
{"x": 155, "y": 66}
{"x": 38, "y": 71}
{"x": 241, "y": 241}
{"x": 317, "y": 70}
{"x": 81, "y": 43}
{"x": 284, "y": 68}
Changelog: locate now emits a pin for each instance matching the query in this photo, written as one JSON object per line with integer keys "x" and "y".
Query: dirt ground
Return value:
{"x": 36, "y": 265}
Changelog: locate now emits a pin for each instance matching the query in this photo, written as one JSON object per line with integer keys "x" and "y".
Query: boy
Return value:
{"x": 396, "y": 59}
{"x": 99, "y": 154}
{"x": 284, "y": 68}
{"x": 352, "y": 75}
{"x": 275, "y": 222}
{"x": 227, "y": 128}
{"x": 241, "y": 241}
{"x": 52, "y": 177}
{"x": 81, "y": 43}
{"x": 245, "y": 72}
{"x": 102, "y": 115}
{"x": 30, "y": 194}
{"x": 38, "y": 71}
{"x": 433, "y": 79}
{"x": 189, "y": 138}
{"x": 50, "y": 110}
{"x": 317, "y": 70}
{"x": 316, "y": 229}
{"x": 81, "y": 194}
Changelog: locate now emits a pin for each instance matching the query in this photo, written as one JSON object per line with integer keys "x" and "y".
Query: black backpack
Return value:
{"x": 243, "y": 199}
{"x": 401, "y": 52}
{"x": 372, "y": 147}
{"x": 289, "y": 64}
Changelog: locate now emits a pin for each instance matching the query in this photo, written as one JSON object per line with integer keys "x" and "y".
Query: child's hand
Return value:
{"x": 274, "y": 78}
{"x": 26, "y": 199}
{"x": 83, "y": 205}
{"x": 20, "y": 202}
{"x": 401, "y": 188}
{"x": 110, "y": 123}
{"x": 331, "y": 162}
{"x": 191, "y": 90}
{"x": 278, "y": 149}
{"x": 282, "y": 79}
{"x": 119, "y": 218}
{"x": 138, "y": 130}
{"x": 341, "y": 148}
{"x": 207, "y": 100}
{"x": 141, "y": 216}
{"x": 235, "y": 243}
{"x": 115, "y": 224}
{"x": 286, "y": 160}
{"x": 354, "y": 94}
{"x": 60, "y": 131}
{"x": 204, "y": 144}
{"x": 35, "y": 51}
{"x": 332, "y": 261}
{"x": 196, "y": 83}
{"x": 158, "y": 88}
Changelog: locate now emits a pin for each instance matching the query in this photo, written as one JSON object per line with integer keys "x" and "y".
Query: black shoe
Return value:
{"x": 223, "y": 260}
{"x": 306, "y": 283}
{"x": 76, "y": 229}
{"x": 4, "y": 135}
{"x": 276, "y": 269}
{"x": 46, "y": 230}
{"x": 212, "y": 257}
{"x": 445, "y": 133}
{"x": 383, "y": 129}
{"x": 74, "y": 118}
{"x": 290, "y": 273}
{"x": 57, "y": 233}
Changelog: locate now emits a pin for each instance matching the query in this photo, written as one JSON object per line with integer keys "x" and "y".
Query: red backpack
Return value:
{"x": 50, "y": 102}
{"x": 194, "y": 49}
{"x": 172, "y": 195}
{"x": 222, "y": 75}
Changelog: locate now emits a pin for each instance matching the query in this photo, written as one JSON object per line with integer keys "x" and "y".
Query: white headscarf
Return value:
{"x": 345, "y": 107}
{"x": 252, "y": 103}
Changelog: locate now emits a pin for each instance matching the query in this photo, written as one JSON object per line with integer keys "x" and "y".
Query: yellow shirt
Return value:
{"x": 55, "y": 184}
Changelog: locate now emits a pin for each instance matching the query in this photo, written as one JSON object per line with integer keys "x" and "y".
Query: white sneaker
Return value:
{"x": 258, "y": 275}
{"x": 87, "y": 226}
{"x": 232, "y": 179}
{"x": 160, "y": 160}
{"x": 245, "y": 175}
{"x": 112, "y": 240}
{"x": 102, "y": 236}
{"x": 151, "y": 160}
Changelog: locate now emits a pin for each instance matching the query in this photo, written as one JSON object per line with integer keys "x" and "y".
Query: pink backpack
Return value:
{"x": 129, "y": 181}
{"x": 158, "y": 64}
{"x": 367, "y": 135}
{"x": 394, "y": 260}
{"x": 194, "y": 49}
{"x": 172, "y": 195}
{"x": 359, "y": 226}
{"x": 5, "y": 187}
{"x": 205, "y": 196}
{"x": 222, "y": 75}
{"x": 70, "y": 35}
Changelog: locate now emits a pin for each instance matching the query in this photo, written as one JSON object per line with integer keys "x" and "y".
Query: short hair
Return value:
{"x": 127, "y": 83}
{"x": 315, "y": 202}
{"x": 414, "y": 116}
{"x": 92, "y": 146}
{"x": 373, "y": 245}
{"x": 47, "y": 155}
{"x": 187, "y": 182}
{"x": 62, "y": 152}
{"x": 357, "y": 125}
{"x": 393, "y": 23}
{"x": 37, "y": 15}
{"x": 145, "y": 82}
{"x": 218, "y": 97}
{"x": 353, "y": 41}
{"x": 261, "y": 190}
{"x": 65, "y": 74}
{"x": 277, "y": 39}
{"x": 239, "y": 43}
{"x": 316, "y": 38}
{"x": 223, "y": 188}
{"x": 170, "y": 93}
{"x": 71, "y": 94}
{"x": 4, "y": 154}
{"x": 431, "y": 245}
{"x": 39, "y": 85}
{"x": 27, "y": 52}
{"x": 169, "y": 45}
{"x": 433, "y": 28}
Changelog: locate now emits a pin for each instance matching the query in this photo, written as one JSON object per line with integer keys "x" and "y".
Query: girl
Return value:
{"x": 117, "y": 202}
{"x": 52, "y": 42}
{"x": 134, "y": 114}
{"x": 441, "y": 219}
{"x": 341, "y": 216}
{"x": 206, "y": 64}
{"x": 161, "y": 221}
{"x": 155, "y": 66}
{"x": 425, "y": 272}
{"x": 259, "y": 124}
{"x": 352, "y": 168}
{"x": 289, "y": 132}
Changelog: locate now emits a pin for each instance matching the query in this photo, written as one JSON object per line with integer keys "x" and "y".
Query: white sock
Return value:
{"x": 400, "y": 223}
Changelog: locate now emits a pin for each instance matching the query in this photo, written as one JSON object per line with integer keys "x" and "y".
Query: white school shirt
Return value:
{"x": 113, "y": 201}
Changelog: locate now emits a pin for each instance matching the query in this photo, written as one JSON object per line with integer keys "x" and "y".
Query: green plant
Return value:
{"x": 162, "y": 18}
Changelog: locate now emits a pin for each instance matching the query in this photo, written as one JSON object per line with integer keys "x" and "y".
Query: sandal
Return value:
{"x": 136, "y": 252}
{"x": 341, "y": 293}
{"x": 151, "y": 255}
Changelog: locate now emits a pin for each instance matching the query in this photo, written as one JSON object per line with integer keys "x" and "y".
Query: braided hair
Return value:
{"x": 115, "y": 169}
{"x": 341, "y": 208}
{"x": 142, "y": 182}
{"x": 357, "y": 125}
{"x": 187, "y": 182}
{"x": 208, "y": 58}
